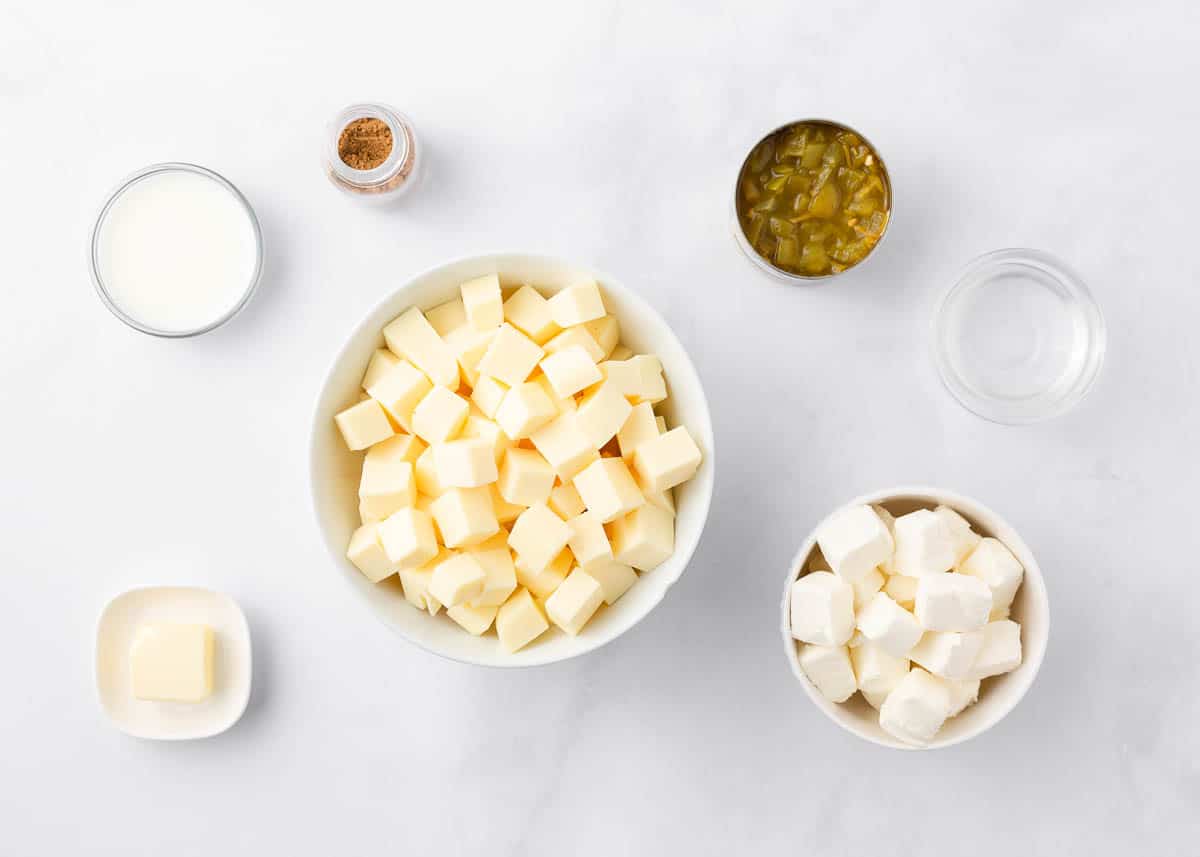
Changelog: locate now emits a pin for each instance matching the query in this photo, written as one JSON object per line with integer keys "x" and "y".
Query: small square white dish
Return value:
{"x": 173, "y": 721}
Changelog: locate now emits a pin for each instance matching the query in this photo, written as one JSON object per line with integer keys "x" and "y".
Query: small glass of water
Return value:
{"x": 1019, "y": 338}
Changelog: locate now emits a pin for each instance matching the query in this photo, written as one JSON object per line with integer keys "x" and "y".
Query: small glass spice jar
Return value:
{"x": 371, "y": 150}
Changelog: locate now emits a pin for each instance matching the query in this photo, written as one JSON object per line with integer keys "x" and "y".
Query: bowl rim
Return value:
{"x": 683, "y": 552}
{"x": 1033, "y": 651}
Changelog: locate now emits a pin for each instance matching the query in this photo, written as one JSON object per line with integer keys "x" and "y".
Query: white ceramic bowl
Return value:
{"x": 998, "y": 695}
{"x": 335, "y": 471}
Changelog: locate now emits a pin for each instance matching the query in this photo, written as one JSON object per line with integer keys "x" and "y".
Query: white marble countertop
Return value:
{"x": 606, "y": 132}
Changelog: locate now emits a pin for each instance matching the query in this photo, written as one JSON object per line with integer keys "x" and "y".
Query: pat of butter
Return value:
{"x": 173, "y": 662}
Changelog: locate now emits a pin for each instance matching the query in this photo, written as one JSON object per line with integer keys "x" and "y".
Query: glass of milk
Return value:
{"x": 176, "y": 251}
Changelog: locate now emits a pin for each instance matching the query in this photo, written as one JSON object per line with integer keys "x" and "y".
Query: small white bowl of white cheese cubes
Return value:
{"x": 512, "y": 460}
{"x": 915, "y": 618}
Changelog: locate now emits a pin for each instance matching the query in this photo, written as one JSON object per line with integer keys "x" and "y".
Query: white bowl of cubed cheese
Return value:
{"x": 986, "y": 702}
{"x": 335, "y": 470}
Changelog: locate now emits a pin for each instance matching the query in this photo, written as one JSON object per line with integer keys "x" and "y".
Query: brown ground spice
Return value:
{"x": 365, "y": 143}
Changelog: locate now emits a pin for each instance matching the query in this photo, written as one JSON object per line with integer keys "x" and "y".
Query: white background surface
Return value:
{"x": 607, "y": 132}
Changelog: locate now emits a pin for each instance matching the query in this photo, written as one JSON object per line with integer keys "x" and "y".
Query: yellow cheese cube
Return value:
{"x": 526, "y": 478}
{"x": 667, "y": 460}
{"x": 363, "y": 424}
{"x": 465, "y": 463}
{"x": 511, "y": 356}
{"x": 413, "y": 338}
{"x": 408, "y": 537}
{"x": 472, "y": 619}
{"x": 399, "y": 390}
{"x": 661, "y": 422}
{"x": 381, "y": 361}
{"x": 172, "y": 662}
{"x": 479, "y": 426}
{"x": 614, "y": 578}
{"x": 487, "y": 395}
{"x": 538, "y": 536}
{"x": 621, "y": 353}
{"x": 624, "y": 374}
{"x": 465, "y": 516}
{"x": 496, "y": 560}
{"x": 524, "y": 410}
{"x": 565, "y": 501}
{"x": 415, "y": 582}
{"x": 484, "y": 305}
{"x": 387, "y": 482}
{"x": 607, "y": 332}
{"x": 543, "y": 582}
{"x": 576, "y": 304}
{"x": 602, "y": 412}
{"x": 576, "y": 337}
{"x": 505, "y": 511}
{"x": 651, "y": 386}
{"x": 439, "y": 416}
{"x": 560, "y": 404}
{"x": 447, "y": 317}
{"x": 608, "y": 489}
{"x": 574, "y": 602}
{"x": 588, "y": 541}
{"x": 563, "y": 443}
{"x": 457, "y": 579}
{"x": 469, "y": 345}
{"x": 520, "y": 621}
{"x": 638, "y": 428}
{"x": 664, "y": 500}
{"x": 644, "y": 538}
{"x": 425, "y": 473}
{"x": 569, "y": 371}
{"x": 368, "y": 555}
{"x": 528, "y": 311}
{"x": 403, "y": 447}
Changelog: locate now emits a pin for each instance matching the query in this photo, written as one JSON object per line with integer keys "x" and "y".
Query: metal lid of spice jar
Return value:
{"x": 371, "y": 150}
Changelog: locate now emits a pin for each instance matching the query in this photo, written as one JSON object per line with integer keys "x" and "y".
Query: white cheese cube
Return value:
{"x": 457, "y": 579}
{"x": 520, "y": 621}
{"x": 425, "y": 472}
{"x": 949, "y": 654}
{"x": 952, "y": 602}
{"x": 614, "y": 578}
{"x": 854, "y": 541}
{"x": 603, "y": 411}
{"x": 821, "y": 606}
{"x": 538, "y": 536}
{"x": 487, "y": 395}
{"x": 963, "y": 693}
{"x": 866, "y": 587}
{"x": 878, "y": 671}
{"x": 608, "y": 489}
{"x": 473, "y": 619}
{"x": 387, "y": 483}
{"x": 446, "y": 317}
{"x": 497, "y": 562}
{"x": 413, "y": 338}
{"x": 829, "y": 668}
{"x": 621, "y": 353}
{"x": 903, "y": 590}
{"x": 886, "y": 623}
{"x": 465, "y": 463}
{"x": 995, "y": 565}
{"x": 961, "y": 535}
{"x": 667, "y": 460}
{"x": 924, "y": 545}
{"x": 415, "y": 582}
{"x": 506, "y": 512}
{"x": 574, "y": 602}
{"x": 525, "y": 409}
{"x": 563, "y": 443}
{"x": 875, "y": 700}
{"x": 399, "y": 390}
{"x": 916, "y": 709}
{"x": 483, "y": 303}
{"x": 606, "y": 331}
{"x": 1001, "y": 650}
{"x": 569, "y": 371}
{"x": 543, "y": 582}
{"x": 511, "y": 357}
{"x": 566, "y": 502}
{"x": 363, "y": 424}
{"x": 651, "y": 386}
{"x": 888, "y": 566}
{"x": 529, "y": 312}
{"x": 465, "y": 516}
{"x": 526, "y": 478}
{"x": 172, "y": 662}
{"x": 576, "y": 304}
{"x": 381, "y": 361}
{"x": 439, "y": 416}
{"x": 408, "y": 538}
{"x": 645, "y": 538}
{"x": 639, "y": 427}
{"x": 368, "y": 555}
{"x": 588, "y": 540}
{"x": 576, "y": 337}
